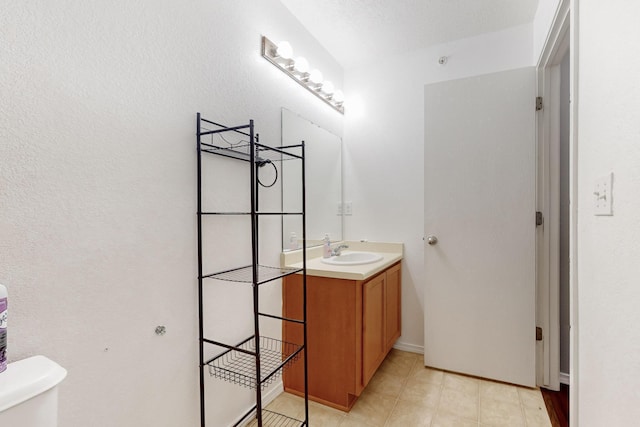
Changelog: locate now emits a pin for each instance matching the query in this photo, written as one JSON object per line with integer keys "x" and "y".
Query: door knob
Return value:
{"x": 432, "y": 240}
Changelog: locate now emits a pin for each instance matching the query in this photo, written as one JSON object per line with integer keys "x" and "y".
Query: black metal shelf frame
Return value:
{"x": 245, "y": 274}
{"x": 249, "y": 213}
{"x": 258, "y": 360}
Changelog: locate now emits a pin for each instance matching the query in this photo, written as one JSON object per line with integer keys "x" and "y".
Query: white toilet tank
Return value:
{"x": 29, "y": 393}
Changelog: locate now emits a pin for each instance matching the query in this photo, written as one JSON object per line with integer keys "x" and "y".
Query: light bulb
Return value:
{"x": 327, "y": 87}
{"x": 284, "y": 50}
{"x": 315, "y": 76}
{"x": 301, "y": 65}
{"x": 338, "y": 96}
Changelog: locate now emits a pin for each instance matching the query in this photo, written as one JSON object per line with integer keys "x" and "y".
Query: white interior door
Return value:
{"x": 480, "y": 205}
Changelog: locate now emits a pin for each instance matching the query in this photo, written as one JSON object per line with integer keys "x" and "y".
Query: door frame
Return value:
{"x": 548, "y": 194}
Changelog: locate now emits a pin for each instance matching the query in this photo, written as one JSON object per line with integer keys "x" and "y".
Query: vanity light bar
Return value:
{"x": 281, "y": 56}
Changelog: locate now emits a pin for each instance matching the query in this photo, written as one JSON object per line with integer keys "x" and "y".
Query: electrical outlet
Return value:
{"x": 339, "y": 211}
{"x": 603, "y": 196}
{"x": 348, "y": 208}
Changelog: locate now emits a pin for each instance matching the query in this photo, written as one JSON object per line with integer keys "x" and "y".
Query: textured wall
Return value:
{"x": 384, "y": 144}
{"x": 98, "y": 196}
{"x": 608, "y": 295}
{"x": 541, "y": 24}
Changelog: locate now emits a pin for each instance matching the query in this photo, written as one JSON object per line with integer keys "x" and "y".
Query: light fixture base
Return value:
{"x": 269, "y": 52}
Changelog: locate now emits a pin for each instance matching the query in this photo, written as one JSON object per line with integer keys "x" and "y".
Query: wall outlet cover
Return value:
{"x": 348, "y": 208}
{"x": 603, "y": 196}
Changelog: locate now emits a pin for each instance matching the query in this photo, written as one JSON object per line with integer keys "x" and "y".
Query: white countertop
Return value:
{"x": 391, "y": 253}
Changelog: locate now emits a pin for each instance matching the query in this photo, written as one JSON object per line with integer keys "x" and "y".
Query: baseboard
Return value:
{"x": 412, "y": 348}
{"x": 564, "y": 378}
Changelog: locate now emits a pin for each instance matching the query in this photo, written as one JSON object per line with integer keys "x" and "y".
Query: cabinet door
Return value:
{"x": 332, "y": 338}
{"x": 373, "y": 324}
{"x": 392, "y": 306}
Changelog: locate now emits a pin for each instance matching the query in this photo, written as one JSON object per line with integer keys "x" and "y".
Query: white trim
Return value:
{"x": 564, "y": 378}
{"x": 547, "y": 260}
{"x": 412, "y": 348}
{"x": 573, "y": 237}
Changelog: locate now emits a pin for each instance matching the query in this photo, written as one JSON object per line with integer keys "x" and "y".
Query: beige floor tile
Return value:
{"x": 448, "y": 420}
{"x": 467, "y": 385}
{"x": 373, "y": 408}
{"x": 531, "y": 398}
{"x": 412, "y": 414}
{"x": 499, "y": 391}
{"x": 459, "y": 403}
{"x": 399, "y": 363}
{"x": 355, "y": 422}
{"x": 537, "y": 417}
{"x": 501, "y": 414}
{"x": 289, "y": 405}
{"x": 405, "y": 393}
{"x": 426, "y": 375}
{"x": 324, "y": 416}
{"x": 421, "y": 392}
{"x": 387, "y": 384}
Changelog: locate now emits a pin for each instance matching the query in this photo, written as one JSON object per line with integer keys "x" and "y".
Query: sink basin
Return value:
{"x": 353, "y": 258}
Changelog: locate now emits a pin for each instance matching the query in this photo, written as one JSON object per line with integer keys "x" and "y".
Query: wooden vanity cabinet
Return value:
{"x": 373, "y": 326}
{"x": 351, "y": 326}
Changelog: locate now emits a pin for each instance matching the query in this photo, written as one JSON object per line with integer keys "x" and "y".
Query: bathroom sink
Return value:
{"x": 353, "y": 258}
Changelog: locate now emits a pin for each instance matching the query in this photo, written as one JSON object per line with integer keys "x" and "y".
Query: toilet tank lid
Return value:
{"x": 27, "y": 378}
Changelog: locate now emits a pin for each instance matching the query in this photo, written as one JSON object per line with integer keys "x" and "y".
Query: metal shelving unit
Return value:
{"x": 245, "y": 363}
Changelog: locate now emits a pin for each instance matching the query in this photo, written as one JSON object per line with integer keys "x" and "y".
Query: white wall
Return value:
{"x": 98, "y": 195}
{"x": 541, "y": 25}
{"x": 608, "y": 294}
{"x": 384, "y": 146}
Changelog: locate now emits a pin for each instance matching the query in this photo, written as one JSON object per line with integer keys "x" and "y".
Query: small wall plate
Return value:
{"x": 603, "y": 196}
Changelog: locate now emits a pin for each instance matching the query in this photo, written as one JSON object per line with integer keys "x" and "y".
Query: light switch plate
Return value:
{"x": 348, "y": 208}
{"x": 603, "y": 195}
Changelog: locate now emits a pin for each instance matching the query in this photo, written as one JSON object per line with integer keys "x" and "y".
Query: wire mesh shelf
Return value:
{"x": 237, "y": 142}
{"x": 240, "y": 368}
{"x": 273, "y": 419}
{"x": 245, "y": 274}
{"x": 263, "y": 153}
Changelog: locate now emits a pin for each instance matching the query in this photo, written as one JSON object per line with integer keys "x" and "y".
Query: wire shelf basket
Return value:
{"x": 273, "y": 419}
{"x": 245, "y": 274}
{"x": 263, "y": 154}
{"x": 240, "y": 368}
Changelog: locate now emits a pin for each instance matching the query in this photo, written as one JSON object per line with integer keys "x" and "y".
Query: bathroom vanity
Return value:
{"x": 353, "y": 321}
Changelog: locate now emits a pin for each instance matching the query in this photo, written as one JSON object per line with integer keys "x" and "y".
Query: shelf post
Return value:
{"x": 254, "y": 261}
{"x": 200, "y": 308}
{"x": 304, "y": 290}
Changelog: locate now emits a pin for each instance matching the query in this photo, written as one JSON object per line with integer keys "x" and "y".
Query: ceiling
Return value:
{"x": 358, "y": 31}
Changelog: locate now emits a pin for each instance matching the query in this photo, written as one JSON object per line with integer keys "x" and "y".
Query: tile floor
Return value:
{"x": 405, "y": 393}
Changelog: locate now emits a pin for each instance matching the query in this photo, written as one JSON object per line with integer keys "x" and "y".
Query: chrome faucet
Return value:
{"x": 336, "y": 251}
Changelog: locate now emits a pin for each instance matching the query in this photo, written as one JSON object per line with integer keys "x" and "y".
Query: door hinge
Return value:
{"x": 539, "y": 219}
{"x": 538, "y": 333}
{"x": 539, "y": 103}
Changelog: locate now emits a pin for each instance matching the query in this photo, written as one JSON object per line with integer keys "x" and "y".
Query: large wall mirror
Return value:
{"x": 323, "y": 167}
